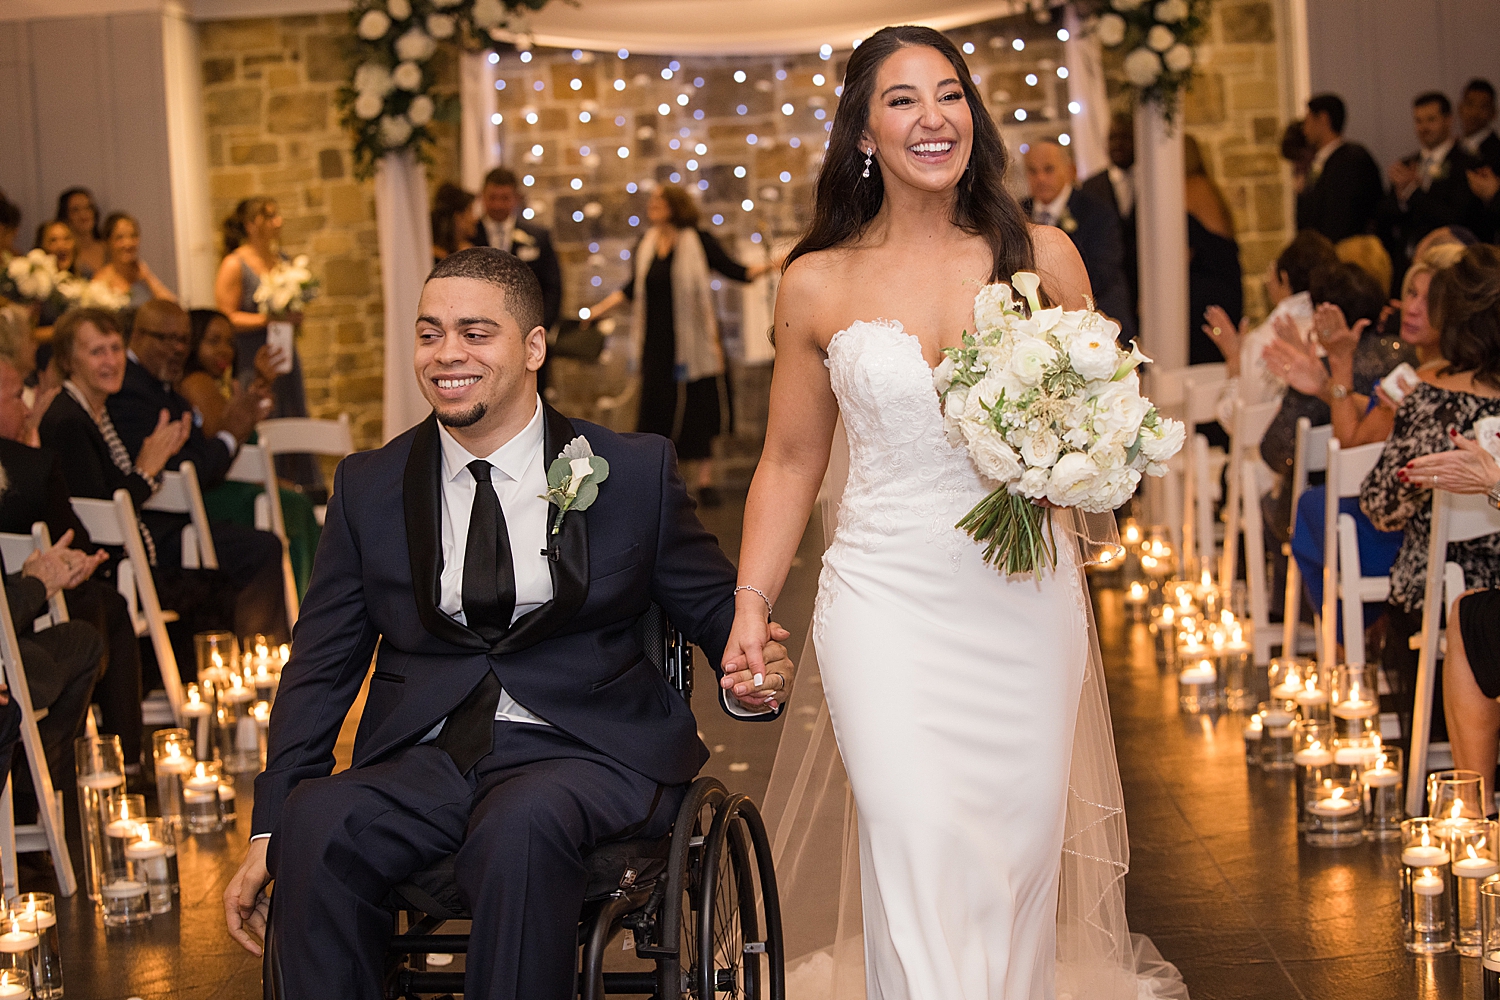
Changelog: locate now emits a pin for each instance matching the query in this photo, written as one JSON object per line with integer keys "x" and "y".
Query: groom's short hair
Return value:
{"x": 523, "y": 293}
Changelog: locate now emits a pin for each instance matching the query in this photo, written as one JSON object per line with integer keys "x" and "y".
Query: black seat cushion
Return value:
{"x": 616, "y": 865}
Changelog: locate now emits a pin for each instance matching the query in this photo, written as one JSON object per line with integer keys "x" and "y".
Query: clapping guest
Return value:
{"x": 1430, "y": 187}
{"x": 452, "y": 220}
{"x": 1476, "y": 120}
{"x": 76, "y": 207}
{"x": 1464, "y": 302}
{"x": 125, "y": 270}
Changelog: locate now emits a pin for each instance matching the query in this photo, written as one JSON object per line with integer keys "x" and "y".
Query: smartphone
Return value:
{"x": 1402, "y": 380}
{"x": 279, "y": 339}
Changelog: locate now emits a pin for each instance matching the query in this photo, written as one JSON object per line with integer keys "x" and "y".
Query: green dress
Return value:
{"x": 235, "y": 503}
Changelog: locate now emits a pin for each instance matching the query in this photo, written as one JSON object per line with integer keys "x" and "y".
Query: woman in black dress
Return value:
{"x": 1213, "y": 254}
{"x": 675, "y": 334}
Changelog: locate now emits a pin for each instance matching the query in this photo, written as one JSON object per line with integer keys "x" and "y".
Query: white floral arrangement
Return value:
{"x": 388, "y": 102}
{"x": 289, "y": 287}
{"x": 1158, "y": 39}
{"x": 1049, "y": 407}
{"x": 86, "y": 294}
{"x": 30, "y": 277}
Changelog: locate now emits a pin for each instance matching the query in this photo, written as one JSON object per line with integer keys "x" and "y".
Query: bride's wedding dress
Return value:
{"x": 991, "y": 852}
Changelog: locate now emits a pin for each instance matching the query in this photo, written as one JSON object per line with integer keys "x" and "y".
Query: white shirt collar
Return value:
{"x": 1473, "y": 142}
{"x": 499, "y": 230}
{"x": 1438, "y": 154}
{"x": 1057, "y": 207}
{"x": 512, "y": 458}
{"x": 1320, "y": 158}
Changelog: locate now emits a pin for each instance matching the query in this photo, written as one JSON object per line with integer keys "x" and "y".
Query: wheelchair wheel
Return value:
{"x": 678, "y": 923}
{"x": 732, "y": 956}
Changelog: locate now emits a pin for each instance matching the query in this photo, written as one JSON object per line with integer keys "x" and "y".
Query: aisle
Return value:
{"x": 1218, "y": 878}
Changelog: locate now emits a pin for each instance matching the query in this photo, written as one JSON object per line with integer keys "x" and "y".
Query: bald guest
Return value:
{"x": 1092, "y": 225}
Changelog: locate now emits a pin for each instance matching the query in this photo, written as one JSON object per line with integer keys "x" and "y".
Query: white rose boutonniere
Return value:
{"x": 573, "y": 479}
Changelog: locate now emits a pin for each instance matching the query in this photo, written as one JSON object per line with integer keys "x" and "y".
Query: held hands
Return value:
{"x": 164, "y": 442}
{"x": 1484, "y": 183}
{"x": 61, "y": 567}
{"x": 1469, "y": 469}
{"x": 757, "y": 671}
{"x": 268, "y": 363}
{"x": 1404, "y": 178}
{"x": 246, "y": 904}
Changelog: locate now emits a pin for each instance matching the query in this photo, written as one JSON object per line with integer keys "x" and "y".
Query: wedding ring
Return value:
{"x": 782, "y": 685}
{"x": 1217, "y": 331}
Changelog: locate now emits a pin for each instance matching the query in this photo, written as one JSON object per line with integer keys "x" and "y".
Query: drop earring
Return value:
{"x": 869, "y": 155}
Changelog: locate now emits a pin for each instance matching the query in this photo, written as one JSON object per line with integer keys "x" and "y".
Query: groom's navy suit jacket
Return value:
{"x": 577, "y": 661}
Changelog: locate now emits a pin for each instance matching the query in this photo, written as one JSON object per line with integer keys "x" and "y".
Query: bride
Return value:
{"x": 956, "y": 692}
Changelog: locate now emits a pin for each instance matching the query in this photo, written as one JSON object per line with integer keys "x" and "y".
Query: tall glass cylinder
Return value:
{"x": 1455, "y": 794}
{"x": 18, "y": 953}
{"x": 1475, "y": 862}
{"x": 1356, "y": 699}
{"x": 101, "y": 770}
{"x": 1164, "y": 625}
{"x": 1385, "y": 795}
{"x": 1285, "y": 676}
{"x": 1276, "y": 745}
{"x": 1335, "y": 808}
{"x": 235, "y": 731}
{"x": 200, "y": 795}
{"x": 1255, "y": 729}
{"x": 197, "y": 716}
{"x": 123, "y": 817}
{"x": 1489, "y": 926}
{"x": 1425, "y": 890}
{"x": 1197, "y": 687}
{"x": 37, "y": 912}
{"x": 146, "y": 854}
{"x": 217, "y": 652}
{"x": 1312, "y": 752}
{"x": 1313, "y": 700}
{"x": 172, "y": 753}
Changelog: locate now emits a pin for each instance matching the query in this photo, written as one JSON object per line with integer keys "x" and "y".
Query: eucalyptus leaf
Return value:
{"x": 587, "y": 494}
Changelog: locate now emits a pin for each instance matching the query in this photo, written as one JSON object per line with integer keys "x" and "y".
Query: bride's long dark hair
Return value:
{"x": 847, "y": 201}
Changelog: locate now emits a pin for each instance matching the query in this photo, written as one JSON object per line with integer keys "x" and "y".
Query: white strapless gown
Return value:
{"x": 953, "y": 691}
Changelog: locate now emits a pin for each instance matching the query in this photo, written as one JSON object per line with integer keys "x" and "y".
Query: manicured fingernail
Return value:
{"x": 758, "y": 679}
{"x": 1453, "y": 432}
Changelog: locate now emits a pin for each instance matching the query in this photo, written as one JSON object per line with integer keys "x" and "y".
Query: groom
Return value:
{"x": 511, "y": 718}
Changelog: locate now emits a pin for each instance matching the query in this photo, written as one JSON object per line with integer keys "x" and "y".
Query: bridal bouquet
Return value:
{"x": 1049, "y": 406}
{"x": 288, "y": 288}
{"x": 76, "y": 291}
{"x": 31, "y": 277}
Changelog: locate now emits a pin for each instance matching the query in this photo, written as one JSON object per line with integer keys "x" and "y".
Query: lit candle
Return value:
{"x": 1290, "y": 684}
{"x": 31, "y": 920}
{"x": 1137, "y": 594}
{"x": 285, "y": 653}
{"x": 1132, "y": 533}
{"x": 201, "y": 780}
{"x": 1315, "y": 754}
{"x": 1382, "y": 775}
{"x": 1277, "y": 717}
{"x": 124, "y": 826}
{"x": 1356, "y": 706}
{"x": 1427, "y": 885}
{"x": 1424, "y": 855}
{"x": 1474, "y": 866}
{"x": 175, "y": 762}
{"x": 145, "y": 848}
{"x": 1335, "y": 806}
{"x": 1202, "y": 673}
{"x": 10, "y": 988}
{"x": 1254, "y": 729}
{"x": 17, "y": 940}
{"x": 101, "y": 780}
{"x": 238, "y": 692}
{"x": 1310, "y": 696}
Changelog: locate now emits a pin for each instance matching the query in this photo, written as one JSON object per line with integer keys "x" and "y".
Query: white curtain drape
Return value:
{"x": 404, "y": 227}
{"x": 479, "y": 145}
{"x": 1161, "y": 235}
{"x": 1090, "y": 123}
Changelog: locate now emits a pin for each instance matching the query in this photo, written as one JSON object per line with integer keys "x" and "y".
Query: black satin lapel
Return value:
{"x": 421, "y": 501}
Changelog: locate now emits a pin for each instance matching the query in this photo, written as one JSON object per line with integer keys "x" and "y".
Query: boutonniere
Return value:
{"x": 1067, "y": 223}
{"x": 573, "y": 479}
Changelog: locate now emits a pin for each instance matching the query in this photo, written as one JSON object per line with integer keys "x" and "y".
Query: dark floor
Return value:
{"x": 1217, "y": 878}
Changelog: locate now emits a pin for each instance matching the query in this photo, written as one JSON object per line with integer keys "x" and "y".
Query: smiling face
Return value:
{"x": 474, "y": 363}
{"x": 920, "y": 126}
{"x": 81, "y": 216}
{"x": 1433, "y": 127}
{"x": 57, "y": 239}
{"x": 98, "y": 362}
{"x": 1048, "y": 171}
{"x": 124, "y": 243}
{"x": 216, "y": 349}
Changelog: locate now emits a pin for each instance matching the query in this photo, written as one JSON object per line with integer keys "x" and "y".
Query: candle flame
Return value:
{"x": 1208, "y": 580}
{"x": 1426, "y": 838}
{"x": 1312, "y": 684}
{"x": 1167, "y": 614}
{"x": 1457, "y": 810}
{"x": 1137, "y": 591}
{"x": 217, "y": 659}
{"x": 200, "y": 770}
{"x": 1338, "y": 793}
{"x": 1473, "y": 854}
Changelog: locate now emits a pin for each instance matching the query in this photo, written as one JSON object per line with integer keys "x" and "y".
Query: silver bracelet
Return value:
{"x": 759, "y": 593}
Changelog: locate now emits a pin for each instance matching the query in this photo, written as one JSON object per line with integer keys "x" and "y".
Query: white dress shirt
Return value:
{"x": 519, "y": 479}
{"x": 1320, "y": 158}
{"x": 498, "y": 233}
{"x": 1473, "y": 142}
{"x": 1123, "y": 181}
{"x": 1052, "y": 213}
{"x": 1431, "y": 163}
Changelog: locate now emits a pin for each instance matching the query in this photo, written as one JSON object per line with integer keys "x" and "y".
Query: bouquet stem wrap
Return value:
{"x": 1016, "y": 533}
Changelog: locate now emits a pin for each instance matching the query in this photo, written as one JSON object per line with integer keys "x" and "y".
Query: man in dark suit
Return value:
{"x": 1089, "y": 223}
{"x": 249, "y": 560}
{"x": 1343, "y": 188}
{"x": 498, "y": 227}
{"x": 38, "y": 491}
{"x": 512, "y": 718}
{"x": 1430, "y": 188}
{"x": 1115, "y": 186}
{"x": 1476, "y": 119}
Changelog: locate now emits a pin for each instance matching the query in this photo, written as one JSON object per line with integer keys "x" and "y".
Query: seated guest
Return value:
{"x": 126, "y": 270}
{"x": 76, "y": 207}
{"x": 250, "y": 560}
{"x": 1089, "y": 223}
{"x": 38, "y": 491}
{"x": 1343, "y": 188}
{"x": 1471, "y": 668}
{"x": 1464, "y": 302}
{"x": 1429, "y": 188}
{"x": 1214, "y": 277}
{"x": 1370, "y": 254}
{"x": 452, "y": 220}
{"x": 207, "y": 383}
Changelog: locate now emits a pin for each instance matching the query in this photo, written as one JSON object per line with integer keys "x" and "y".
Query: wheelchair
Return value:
{"x": 701, "y": 903}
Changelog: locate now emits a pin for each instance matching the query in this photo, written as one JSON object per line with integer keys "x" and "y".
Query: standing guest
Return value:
{"x": 1476, "y": 120}
{"x": 1429, "y": 188}
{"x": 76, "y": 207}
{"x": 531, "y": 243}
{"x": 1214, "y": 277}
{"x": 1088, "y": 222}
{"x": 207, "y": 384}
{"x": 1343, "y": 188}
{"x": 452, "y": 220}
{"x": 252, "y": 235}
{"x": 674, "y": 332}
{"x": 1115, "y": 186}
{"x": 125, "y": 270}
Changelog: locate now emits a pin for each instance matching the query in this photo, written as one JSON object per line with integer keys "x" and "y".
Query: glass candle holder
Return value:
{"x": 235, "y": 730}
{"x": 1489, "y": 928}
{"x": 15, "y": 984}
{"x": 1284, "y": 675}
{"x": 1385, "y": 795}
{"x": 1234, "y": 668}
{"x": 1137, "y": 601}
{"x": 1425, "y": 890}
{"x": 1455, "y": 795}
{"x": 172, "y": 753}
{"x": 100, "y": 768}
{"x": 1313, "y": 700}
{"x": 123, "y": 817}
{"x": 261, "y": 711}
{"x": 1197, "y": 687}
{"x": 1335, "y": 809}
{"x": 146, "y": 858}
{"x": 1164, "y": 626}
{"x": 228, "y": 798}
{"x": 1356, "y": 698}
{"x": 1276, "y": 744}
{"x": 216, "y": 653}
{"x": 200, "y": 798}
{"x": 125, "y": 902}
{"x": 1475, "y": 862}
{"x": 37, "y": 912}
{"x": 1255, "y": 728}
{"x": 197, "y": 711}
{"x": 1312, "y": 753}
{"x": 18, "y": 952}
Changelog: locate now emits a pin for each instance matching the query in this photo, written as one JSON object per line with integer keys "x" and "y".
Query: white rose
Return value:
{"x": 487, "y": 14}
{"x": 421, "y": 109}
{"x": 1179, "y": 58}
{"x": 1092, "y": 355}
{"x": 440, "y": 26}
{"x": 1166, "y": 440}
{"x": 955, "y": 401}
{"x": 994, "y": 459}
{"x": 399, "y": 10}
{"x": 993, "y": 356}
{"x": 416, "y": 45}
{"x": 1040, "y": 450}
{"x": 1030, "y": 359}
{"x": 991, "y": 305}
{"x": 942, "y": 375}
{"x": 997, "y": 381}
{"x": 1119, "y": 409}
{"x": 1171, "y": 11}
{"x": 407, "y": 76}
{"x": 368, "y": 105}
{"x": 1142, "y": 67}
{"x": 373, "y": 25}
{"x": 1072, "y": 478}
{"x": 1111, "y": 30}
{"x": 1111, "y": 489}
{"x": 373, "y": 78}
{"x": 394, "y": 131}
{"x": 1160, "y": 38}
{"x": 1033, "y": 483}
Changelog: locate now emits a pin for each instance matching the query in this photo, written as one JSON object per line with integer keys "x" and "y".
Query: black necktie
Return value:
{"x": 489, "y": 598}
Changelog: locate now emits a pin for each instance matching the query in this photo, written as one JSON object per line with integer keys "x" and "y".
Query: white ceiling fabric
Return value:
{"x": 743, "y": 27}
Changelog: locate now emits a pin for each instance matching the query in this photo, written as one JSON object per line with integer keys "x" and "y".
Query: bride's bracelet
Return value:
{"x": 759, "y": 593}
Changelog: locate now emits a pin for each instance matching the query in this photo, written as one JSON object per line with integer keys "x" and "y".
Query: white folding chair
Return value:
{"x": 1191, "y": 395}
{"x": 1343, "y": 576}
{"x": 47, "y": 833}
{"x": 179, "y": 494}
{"x": 15, "y": 549}
{"x": 253, "y": 465}
{"x": 1311, "y": 456}
{"x": 1242, "y": 505}
{"x": 113, "y": 522}
{"x": 306, "y": 436}
{"x": 1455, "y": 518}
